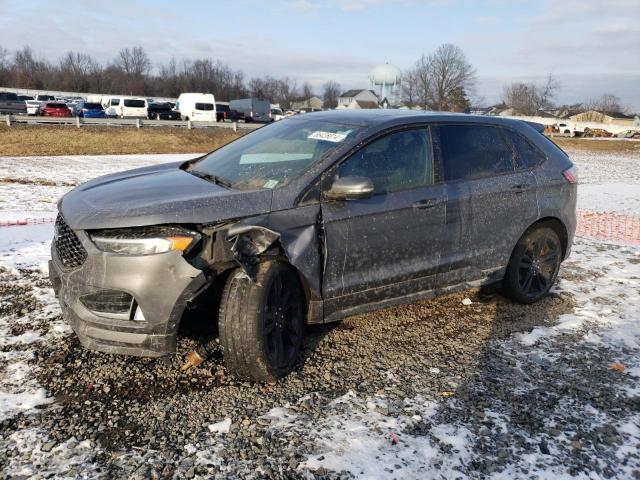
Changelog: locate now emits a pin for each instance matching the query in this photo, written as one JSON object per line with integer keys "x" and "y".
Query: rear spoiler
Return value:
{"x": 537, "y": 126}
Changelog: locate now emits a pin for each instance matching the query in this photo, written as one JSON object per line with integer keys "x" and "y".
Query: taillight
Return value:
{"x": 571, "y": 174}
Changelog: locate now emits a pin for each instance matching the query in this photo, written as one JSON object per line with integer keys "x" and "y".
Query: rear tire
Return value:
{"x": 533, "y": 267}
{"x": 261, "y": 322}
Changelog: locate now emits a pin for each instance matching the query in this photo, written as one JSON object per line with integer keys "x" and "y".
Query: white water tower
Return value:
{"x": 385, "y": 81}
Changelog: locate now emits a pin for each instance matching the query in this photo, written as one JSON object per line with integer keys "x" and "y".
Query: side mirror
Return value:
{"x": 350, "y": 188}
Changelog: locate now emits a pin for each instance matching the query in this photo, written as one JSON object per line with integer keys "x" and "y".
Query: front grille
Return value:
{"x": 71, "y": 252}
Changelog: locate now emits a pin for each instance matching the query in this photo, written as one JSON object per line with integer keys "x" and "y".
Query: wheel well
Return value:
{"x": 558, "y": 227}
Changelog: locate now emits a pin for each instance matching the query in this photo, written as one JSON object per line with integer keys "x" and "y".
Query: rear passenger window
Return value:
{"x": 398, "y": 161}
{"x": 525, "y": 154}
{"x": 473, "y": 151}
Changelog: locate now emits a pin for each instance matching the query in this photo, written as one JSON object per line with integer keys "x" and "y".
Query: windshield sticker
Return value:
{"x": 328, "y": 136}
{"x": 270, "y": 184}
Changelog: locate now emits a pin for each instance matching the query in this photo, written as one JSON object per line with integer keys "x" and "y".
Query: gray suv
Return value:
{"x": 307, "y": 221}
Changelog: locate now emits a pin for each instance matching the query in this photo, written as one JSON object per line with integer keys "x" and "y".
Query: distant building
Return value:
{"x": 309, "y": 105}
{"x": 611, "y": 118}
{"x": 478, "y": 110}
{"x": 350, "y": 96}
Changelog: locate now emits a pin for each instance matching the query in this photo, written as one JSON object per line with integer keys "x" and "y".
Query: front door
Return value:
{"x": 387, "y": 245}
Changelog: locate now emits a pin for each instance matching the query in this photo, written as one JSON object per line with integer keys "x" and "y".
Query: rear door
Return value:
{"x": 389, "y": 244}
{"x": 491, "y": 202}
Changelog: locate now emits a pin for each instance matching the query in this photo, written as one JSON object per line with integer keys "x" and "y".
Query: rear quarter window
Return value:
{"x": 134, "y": 103}
{"x": 525, "y": 154}
{"x": 207, "y": 107}
{"x": 473, "y": 151}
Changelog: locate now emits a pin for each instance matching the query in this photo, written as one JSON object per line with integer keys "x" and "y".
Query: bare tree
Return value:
{"x": 331, "y": 94}
{"x": 282, "y": 91}
{"x": 307, "y": 91}
{"x": 410, "y": 86}
{"x": 75, "y": 70}
{"x": 29, "y": 72}
{"x": 451, "y": 73}
{"x": 134, "y": 61}
{"x": 607, "y": 104}
{"x": 5, "y": 66}
{"x": 529, "y": 98}
{"x": 438, "y": 81}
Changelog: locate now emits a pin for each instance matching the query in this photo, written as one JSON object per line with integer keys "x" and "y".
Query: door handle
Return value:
{"x": 521, "y": 187}
{"x": 428, "y": 203}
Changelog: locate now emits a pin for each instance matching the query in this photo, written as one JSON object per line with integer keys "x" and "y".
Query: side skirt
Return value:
{"x": 338, "y": 306}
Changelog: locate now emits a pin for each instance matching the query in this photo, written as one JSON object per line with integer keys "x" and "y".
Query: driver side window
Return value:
{"x": 395, "y": 162}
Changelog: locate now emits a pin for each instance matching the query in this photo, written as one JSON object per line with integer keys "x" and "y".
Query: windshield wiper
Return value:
{"x": 212, "y": 178}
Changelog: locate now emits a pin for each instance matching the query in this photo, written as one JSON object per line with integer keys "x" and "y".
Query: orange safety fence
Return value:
{"x": 613, "y": 227}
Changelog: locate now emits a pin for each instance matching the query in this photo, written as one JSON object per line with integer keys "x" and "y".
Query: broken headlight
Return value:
{"x": 144, "y": 240}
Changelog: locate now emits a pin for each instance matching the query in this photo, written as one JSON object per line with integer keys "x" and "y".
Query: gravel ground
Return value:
{"x": 117, "y": 416}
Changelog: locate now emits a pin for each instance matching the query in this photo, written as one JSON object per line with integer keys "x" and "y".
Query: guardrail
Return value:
{"x": 123, "y": 122}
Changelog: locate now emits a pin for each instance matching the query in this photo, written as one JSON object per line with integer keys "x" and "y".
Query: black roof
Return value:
{"x": 354, "y": 92}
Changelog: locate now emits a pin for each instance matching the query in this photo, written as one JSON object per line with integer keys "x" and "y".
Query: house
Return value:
{"x": 309, "y": 105}
{"x": 610, "y": 118}
{"x": 348, "y": 97}
{"x": 363, "y": 104}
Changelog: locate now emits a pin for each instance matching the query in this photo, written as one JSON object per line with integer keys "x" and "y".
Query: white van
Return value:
{"x": 125, "y": 107}
{"x": 197, "y": 107}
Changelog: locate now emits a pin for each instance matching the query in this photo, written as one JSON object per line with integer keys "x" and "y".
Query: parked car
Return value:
{"x": 310, "y": 220}
{"x": 198, "y": 107}
{"x": 33, "y": 107}
{"x": 55, "y": 109}
{"x": 162, "y": 111}
{"x": 45, "y": 98}
{"x": 253, "y": 109}
{"x": 223, "y": 112}
{"x": 10, "y": 104}
{"x": 125, "y": 107}
{"x": 276, "y": 114}
{"x": 89, "y": 110}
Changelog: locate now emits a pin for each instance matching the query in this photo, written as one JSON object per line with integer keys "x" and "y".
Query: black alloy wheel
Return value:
{"x": 261, "y": 322}
{"x": 283, "y": 319}
{"x": 537, "y": 267}
{"x": 534, "y": 265}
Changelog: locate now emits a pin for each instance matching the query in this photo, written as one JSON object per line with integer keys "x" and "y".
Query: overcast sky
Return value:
{"x": 592, "y": 47}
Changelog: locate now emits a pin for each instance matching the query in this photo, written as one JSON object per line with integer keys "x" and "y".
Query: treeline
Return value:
{"x": 131, "y": 72}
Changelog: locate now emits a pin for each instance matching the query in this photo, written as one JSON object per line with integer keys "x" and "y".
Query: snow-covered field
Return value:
{"x": 596, "y": 345}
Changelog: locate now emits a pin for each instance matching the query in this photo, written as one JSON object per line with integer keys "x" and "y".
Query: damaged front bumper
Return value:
{"x": 94, "y": 298}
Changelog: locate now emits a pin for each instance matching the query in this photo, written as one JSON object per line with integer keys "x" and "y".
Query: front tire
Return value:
{"x": 261, "y": 322}
{"x": 533, "y": 267}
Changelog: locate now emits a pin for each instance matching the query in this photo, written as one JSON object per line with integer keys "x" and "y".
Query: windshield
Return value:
{"x": 273, "y": 156}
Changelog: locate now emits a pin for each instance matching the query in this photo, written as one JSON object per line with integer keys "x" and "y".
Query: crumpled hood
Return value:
{"x": 156, "y": 195}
